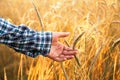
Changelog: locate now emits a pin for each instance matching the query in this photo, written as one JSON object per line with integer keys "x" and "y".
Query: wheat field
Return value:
{"x": 95, "y": 31}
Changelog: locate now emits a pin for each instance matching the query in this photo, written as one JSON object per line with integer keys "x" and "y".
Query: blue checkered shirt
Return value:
{"x": 25, "y": 40}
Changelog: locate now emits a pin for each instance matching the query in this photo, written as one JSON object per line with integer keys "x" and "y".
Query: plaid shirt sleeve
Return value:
{"x": 24, "y": 40}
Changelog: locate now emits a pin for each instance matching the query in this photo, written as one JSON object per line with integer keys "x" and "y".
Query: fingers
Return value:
{"x": 60, "y": 58}
{"x": 65, "y": 57}
{"x": 69, "y": 51}
{"x": 67, "y": 54}
{"x": 62, "y": 34}
{"x": 72, "y": 52}
{"x": 69, "y": 57}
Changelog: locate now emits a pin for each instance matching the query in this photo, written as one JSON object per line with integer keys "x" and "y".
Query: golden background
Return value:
{"x": 99, "y": 48}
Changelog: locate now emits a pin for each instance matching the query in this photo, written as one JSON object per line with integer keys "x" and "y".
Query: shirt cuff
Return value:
{"x": 45, "y": 41}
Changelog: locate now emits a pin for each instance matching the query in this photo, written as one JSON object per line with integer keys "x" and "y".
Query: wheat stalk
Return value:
{"x": 94, "y": 60}
{"x": 74, "y": 44}
{"x": 115, "y": 43}
{"x": 65, "y": 73}
{"x": 38, "y": 14}
{"x": 77, "y": 39}
{"x": 5, "y": 75}
{"x": 115, "y": 64}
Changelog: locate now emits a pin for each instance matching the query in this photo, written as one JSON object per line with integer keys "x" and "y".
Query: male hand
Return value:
{"x": 60, "y": 52}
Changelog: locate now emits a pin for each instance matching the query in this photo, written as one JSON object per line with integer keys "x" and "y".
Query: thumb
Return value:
{"x": 63, "y": 34}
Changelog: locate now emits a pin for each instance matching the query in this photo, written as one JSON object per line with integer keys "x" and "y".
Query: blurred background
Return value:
{"x": 99, "y": 48}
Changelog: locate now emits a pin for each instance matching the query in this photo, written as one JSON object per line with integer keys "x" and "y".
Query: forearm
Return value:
{"x": 25, "y": 40}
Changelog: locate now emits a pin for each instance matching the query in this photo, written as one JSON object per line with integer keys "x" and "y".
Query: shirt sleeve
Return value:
{"x": 25, "y": 40}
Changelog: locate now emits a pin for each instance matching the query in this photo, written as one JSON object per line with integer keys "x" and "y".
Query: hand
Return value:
{"x": 60, "y": 52}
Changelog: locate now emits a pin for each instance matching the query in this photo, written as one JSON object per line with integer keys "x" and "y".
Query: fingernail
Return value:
{"x": 67, "y": 32}
{"x": 76, "y": 51}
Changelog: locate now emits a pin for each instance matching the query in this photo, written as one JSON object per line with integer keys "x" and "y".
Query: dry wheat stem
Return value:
{"x": 77, "y": 60}
{"x": 38, "y": 14}
{"x": 94, "y": 59}
{"x": 5, "y": 75}
{"x": 65, "y": 73}
{"x": 77, "y": 39}
{"x": 115, "y": 64}
{"x": 74, "y": 44}
{"x": 115, "y": 43}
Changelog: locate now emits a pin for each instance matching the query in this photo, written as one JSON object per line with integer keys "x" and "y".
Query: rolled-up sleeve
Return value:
{"x": 25, "y": 40}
